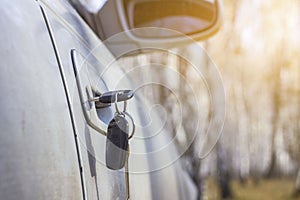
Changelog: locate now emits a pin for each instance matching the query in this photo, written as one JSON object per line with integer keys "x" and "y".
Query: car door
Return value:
{"x": 83, "y": 57}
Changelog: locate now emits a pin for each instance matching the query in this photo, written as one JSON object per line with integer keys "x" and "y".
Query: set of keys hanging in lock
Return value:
{"x": 117, "y": 135}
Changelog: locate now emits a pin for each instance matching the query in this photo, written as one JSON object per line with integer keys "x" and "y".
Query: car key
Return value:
{"x": 116, "y": 96}
{"x": 117, "y": 142}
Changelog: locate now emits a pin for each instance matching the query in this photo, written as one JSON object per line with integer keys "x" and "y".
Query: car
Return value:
{"x": 53, "y": 141}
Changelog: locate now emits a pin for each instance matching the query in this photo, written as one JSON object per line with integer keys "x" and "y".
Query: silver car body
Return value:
{"x": 48, "y": 150}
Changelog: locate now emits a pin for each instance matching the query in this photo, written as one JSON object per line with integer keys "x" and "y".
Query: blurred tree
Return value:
{"x": 223, "y": 172}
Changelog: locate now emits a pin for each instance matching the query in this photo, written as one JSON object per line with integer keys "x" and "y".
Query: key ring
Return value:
{"x": 124, "y": 113}
{"x": 133, "y": 124}
{"x": 116, "y": 105}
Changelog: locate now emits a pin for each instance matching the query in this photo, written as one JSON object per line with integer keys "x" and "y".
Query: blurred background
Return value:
{"x": 257, "y": 52}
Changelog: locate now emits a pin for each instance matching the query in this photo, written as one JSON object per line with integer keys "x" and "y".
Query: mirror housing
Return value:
{"x": 197, "y": 19}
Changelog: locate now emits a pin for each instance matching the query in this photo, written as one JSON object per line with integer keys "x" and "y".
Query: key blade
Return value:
{"x": 110, "y": 97}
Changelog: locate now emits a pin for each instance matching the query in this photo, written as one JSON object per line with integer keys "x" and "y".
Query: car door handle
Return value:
{"x": 87, "y": 92}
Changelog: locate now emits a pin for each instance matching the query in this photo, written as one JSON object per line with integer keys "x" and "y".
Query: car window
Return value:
{"x": 88, "y": 9}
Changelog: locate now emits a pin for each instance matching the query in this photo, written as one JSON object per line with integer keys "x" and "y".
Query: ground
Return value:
{"x": 270, "y": 189}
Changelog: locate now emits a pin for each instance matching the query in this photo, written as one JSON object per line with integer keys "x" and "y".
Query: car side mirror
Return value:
{"x": 165, "y": 23}
{"x": 198, "y": 19}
